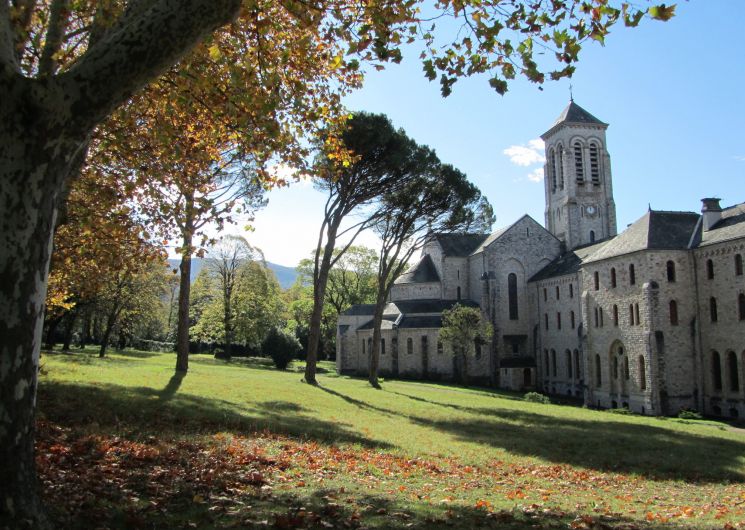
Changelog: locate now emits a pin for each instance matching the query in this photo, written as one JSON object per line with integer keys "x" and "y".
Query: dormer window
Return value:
{"x": 579, "y": 166}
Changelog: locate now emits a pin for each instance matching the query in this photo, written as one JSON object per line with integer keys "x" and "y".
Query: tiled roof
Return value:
{"x": 459, "y": 245}
{"x": 569, "y": 262}
{"x": 653, "y": 231}
{"x": 359, "y": 310}
{"x": 422, "y": 272}
{"x": 731, "y": 226}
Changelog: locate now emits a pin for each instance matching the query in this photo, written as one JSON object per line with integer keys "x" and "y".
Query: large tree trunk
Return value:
{"x": 72, "y": 317}
{"x": 228, "y": 323}
{"x": 32, "y": 170}
{"x": 110, "y": 322}
{"x": 182, "y": 334}
{"x": 374, "y": 363}
{"x": 52, "y": 325}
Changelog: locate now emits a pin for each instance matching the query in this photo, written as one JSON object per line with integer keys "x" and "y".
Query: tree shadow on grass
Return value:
{"x": 144, "y": 411}
{"x": 605, "y": 445}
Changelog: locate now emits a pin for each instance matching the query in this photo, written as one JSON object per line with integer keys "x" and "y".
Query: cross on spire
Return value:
{"x": 571, "y": 95}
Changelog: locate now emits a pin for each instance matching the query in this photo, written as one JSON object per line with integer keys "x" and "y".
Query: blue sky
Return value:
{"x": 673, "y": 94}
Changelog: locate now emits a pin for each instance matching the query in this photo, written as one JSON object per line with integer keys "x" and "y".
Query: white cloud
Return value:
{"x": 739, "y": 158}
{"x": 523, "y": 155}
{"x": 536, "y": 175}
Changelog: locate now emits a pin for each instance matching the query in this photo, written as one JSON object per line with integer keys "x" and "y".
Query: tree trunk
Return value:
{"x": 182, "y": 334}
{"x": 32, "y": 171}
{"x": 52, "y": 325}
{"x": 319, "y": 296}
{"x": 374, "y": 363}
{"x": 72, "y": 317}
{"x": 110, "y": 322}
{"x": 228, "y": 326}
{"x": 85, "y": 332}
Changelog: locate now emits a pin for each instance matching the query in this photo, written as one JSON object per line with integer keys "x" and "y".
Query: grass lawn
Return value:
{"x": 122, "y": 443}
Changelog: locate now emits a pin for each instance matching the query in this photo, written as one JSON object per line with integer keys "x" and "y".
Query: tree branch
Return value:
{"x": 127, "y": 57}
{"x": 58, "y": 18}
{"x": 8, "y": 59}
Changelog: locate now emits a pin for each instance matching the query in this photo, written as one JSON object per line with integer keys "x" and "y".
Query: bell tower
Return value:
{"x": 577, "y": 177}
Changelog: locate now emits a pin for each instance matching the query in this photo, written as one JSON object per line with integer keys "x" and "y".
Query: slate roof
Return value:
{"x": 653, "y": 231}
{"x": 359, "y": 310}
{"x": 421, "y": 322}
{"x": 569, "y": 262}
{"x": 459, "y": 245}
{"x": 422, "y": 272}
{"x": 387, "y": 323}
{"x": 343, "y": 328}
{"x": 573, "y": 113}
{"x": 429, "y": 306}
{"x": 731, "y": 226}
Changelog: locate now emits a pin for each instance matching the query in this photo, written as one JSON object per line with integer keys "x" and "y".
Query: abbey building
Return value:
{"x": 652, "y": 319}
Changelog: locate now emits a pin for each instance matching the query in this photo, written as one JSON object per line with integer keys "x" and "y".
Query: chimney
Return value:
{"x": 711, "y": 211}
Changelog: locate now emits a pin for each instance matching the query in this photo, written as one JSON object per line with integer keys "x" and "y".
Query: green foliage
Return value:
{"x": 688, "y": 414}
{"x": 281, "y": 346}
{"x": 462, "y": 326}
{"x": 624, "y": 411}
{"x": 537, "y": 397}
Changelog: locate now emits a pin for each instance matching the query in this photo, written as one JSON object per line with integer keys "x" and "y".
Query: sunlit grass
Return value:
{"x": 501, "y": 452}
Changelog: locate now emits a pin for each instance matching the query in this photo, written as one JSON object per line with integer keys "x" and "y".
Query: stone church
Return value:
{"x": 652, "y": 319}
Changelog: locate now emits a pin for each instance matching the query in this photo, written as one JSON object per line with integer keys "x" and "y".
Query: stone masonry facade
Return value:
{"x": 651, "y": 319}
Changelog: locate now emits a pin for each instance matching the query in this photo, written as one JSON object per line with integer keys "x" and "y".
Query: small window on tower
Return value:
{"x": 592, "y": 236}
{"x": 579, "y": 167}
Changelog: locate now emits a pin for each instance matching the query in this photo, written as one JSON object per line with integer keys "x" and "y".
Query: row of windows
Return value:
{"x": 556, "y": 164}
{"x": 732, "y": 370}
{"x": 710, "y": 267}
{"x": 424, "y": 349}
{"x": 642, "y": 371}
{"x": 614, "y": 279}
{"x": 572, "y": 321}
{"x": 714, "y": 314}
{"x": 558, "y": 292}
{"x": 634, "y": 318}
{"x": 572, "y": 364}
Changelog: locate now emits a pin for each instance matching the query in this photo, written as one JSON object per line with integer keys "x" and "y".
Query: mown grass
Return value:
{"x": 412, "y": 454}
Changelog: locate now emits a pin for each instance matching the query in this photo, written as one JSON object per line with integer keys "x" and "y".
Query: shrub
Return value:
{"x": 536, "y": 397}
{"x": 688, "y": 414}
{"x": 281, "y": 346}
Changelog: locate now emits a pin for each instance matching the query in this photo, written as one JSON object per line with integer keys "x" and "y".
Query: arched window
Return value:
{"x": 613, "y": 277}
{"x": 558, "y": 320}
{"x": 545, "y": 320}
{"x": 579, "y": 167}
{"x": 615, "y": 315}
{"x": 552, "y": 168}
{"x": 369, "y": 346}
{"x": 713, "y": 309}
{"x": 571, "y": 290}
{"x": 741, "y": 306}
{"x": 716, "y": 370}
{"x": 409, "y": 346}
{"x": 512, "y": 295}
{"x": 632, "y": 275}
{"x": 738, "y": 264}
{"x": 545, "y": 356}
{"x": 571, "y": 319}
{"x": 558, "y": 293}
{"x": 363, "y": 346}
{"x": 598, "y": 372}
{"x": 394, "y": 345}
{"x": 673, "y": 313}
{"x": 596, "y": 278}
{"x": 709, "y": 269}
{"x": 642, "y": 373}
{"x": 425, "y": 345}
{"x": 576, "y": 364}
{"x": 458, "y": 292}
{"x": 545, "y": 295}
{"x": 561, "y": 166}
{"x": 636, "y": 314}
{"x": 601, "y": 317}
{"x": 553, "y": 363}
{"x": 670, "y": 271}
{"x": 568, "y": 355}
{"x": 734, "y": 376}
{"x": 631, "y": 314}
{"x": 615, "y": 367}
{"x": 592, "y": 236}
{"x": 626, "y": 371}
{"x": 594, "y": 163}
{"x": 597, "y": 317}
{"x": 382, "y": 346}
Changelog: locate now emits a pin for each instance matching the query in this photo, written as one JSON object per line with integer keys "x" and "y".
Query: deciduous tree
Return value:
{"x": 462, "y": 328}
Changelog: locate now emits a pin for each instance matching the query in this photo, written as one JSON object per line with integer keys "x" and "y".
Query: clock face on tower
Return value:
{"x": 591, "y": 210}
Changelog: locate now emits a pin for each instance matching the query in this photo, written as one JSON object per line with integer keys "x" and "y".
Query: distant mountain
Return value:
{"x": 285, "y": 275}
